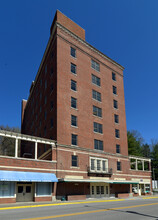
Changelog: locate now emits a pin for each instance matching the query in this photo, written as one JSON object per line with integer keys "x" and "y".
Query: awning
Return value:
{"x": 97, "y": 181}
{"x": 130, "y": 182}
{"x": 27, "y": 176}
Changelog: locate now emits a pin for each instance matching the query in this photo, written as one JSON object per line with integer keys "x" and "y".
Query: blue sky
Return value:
{"x": 125, "y": 30}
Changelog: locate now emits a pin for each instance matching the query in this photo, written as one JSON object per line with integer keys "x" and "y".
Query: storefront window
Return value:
{"x": 7, "y": 189}
{"x": 147, "y": 188}
{"x": 134, "y": 188}
{"x": 43, "y": 189}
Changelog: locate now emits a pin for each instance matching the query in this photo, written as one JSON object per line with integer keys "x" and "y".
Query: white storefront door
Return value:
{"x": 99, "y": 190}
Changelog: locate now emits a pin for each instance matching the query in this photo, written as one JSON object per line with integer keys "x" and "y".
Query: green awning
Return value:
{"x": 125, "y": 183}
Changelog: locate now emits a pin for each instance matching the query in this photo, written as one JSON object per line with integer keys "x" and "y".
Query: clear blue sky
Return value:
{"x": 125, "y": 30}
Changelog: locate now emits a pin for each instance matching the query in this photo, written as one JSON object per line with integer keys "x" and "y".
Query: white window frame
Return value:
{"x": 101, "y": 164}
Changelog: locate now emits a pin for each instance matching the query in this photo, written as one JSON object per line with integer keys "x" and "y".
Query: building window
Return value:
{"x": 73, "y": 52}
{"x": 45, "y": 100}
{"x": 74, "y": 161}
{"x": 51, "y": 122}
{"x": 45, "y": 84}
{"x": 45, "y": 131}
{"x": 45, "y": 115}
{"x": 73, "y": 120}
{"x": 116, "y": 118}
{"x": 73, "y": 68}
{"x": 40, "y": 95}
{"x": 95, "y": 65}
{"x": 114, "y": 90}
{"x": 97, "y": 111}
{"x": 96, "y": 95}
{"x": 43, "y": 189}
{"x": 92, "y": 164}
{"x": 117, "y": 148}
{"x": 118, "y": 165}
{"x": 98, "y": 127}
{"x": 52, "y": 55}
{"x": 73, "y": 139}
{"x": 117, "y": 133}
{"x": 104, "y": 165}
{"x": 98, "y": 145}
{"x": 73, "y": 85}
{"x": 7, "y": 189}
{"x": 115, "y": 104}
{"x": 52, "y": 71}
{"x": 51, "y": 105}
{"x": 73, "y": 102}
{"x": 98, "y": 165}
{"x": 114, "y": 76}
{"x": 51, "y": 88}
{"x": 46, "y": 69}
{"x": 95, "y": 80}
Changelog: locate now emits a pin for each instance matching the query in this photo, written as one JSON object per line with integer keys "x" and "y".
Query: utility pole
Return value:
{"x": 154, "y": 176}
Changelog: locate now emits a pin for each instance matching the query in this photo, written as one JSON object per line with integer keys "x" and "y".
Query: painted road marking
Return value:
{"x": 56, "y": 204}
{"x": 151, "y": 197}
{"x": 89, "y": 212}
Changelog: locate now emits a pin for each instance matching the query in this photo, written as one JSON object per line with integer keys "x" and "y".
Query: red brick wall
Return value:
{"x": 42, "y": 199}
{"x": 70, "y": 25}
{"x": 85, "y": 102}
{"x": 13, "y": 164}
{"x": 7, "y": 200}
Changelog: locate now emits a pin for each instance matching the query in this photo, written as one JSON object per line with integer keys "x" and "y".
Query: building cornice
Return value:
{"x": 91, "y": 150}
{"x": 89, "y": 46}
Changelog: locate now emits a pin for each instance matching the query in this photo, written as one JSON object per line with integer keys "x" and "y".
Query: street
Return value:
{"x": 141, "y": 208}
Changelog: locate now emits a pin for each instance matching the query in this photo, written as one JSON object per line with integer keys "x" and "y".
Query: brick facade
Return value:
{"x": 48, "y": 111}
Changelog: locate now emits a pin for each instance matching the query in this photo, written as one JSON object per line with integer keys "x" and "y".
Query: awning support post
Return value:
{"x": 36, "y": 150}
{"x": 16, "y": 147}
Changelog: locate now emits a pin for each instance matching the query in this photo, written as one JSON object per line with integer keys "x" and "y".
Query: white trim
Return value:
{"x": 26, "y": 168}
{"x": 93, "y": 154}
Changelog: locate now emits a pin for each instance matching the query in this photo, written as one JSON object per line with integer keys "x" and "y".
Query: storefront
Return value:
{"x": 16, "y": 186}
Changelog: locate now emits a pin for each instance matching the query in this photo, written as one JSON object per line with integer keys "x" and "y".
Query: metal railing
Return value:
{"x": 97, "y": 170}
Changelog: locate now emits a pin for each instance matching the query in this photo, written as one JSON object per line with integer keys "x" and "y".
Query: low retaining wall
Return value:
{"x": 43, "y": 199}
{"x": 76, "y": 197}
{"x": 122, "y": 195}
{"x": 7, "y": 200}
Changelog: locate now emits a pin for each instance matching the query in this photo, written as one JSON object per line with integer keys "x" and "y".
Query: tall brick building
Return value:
{"x": 77, "y": 99}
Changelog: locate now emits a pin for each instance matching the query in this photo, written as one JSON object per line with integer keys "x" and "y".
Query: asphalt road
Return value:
{"x": 100, "y": 209}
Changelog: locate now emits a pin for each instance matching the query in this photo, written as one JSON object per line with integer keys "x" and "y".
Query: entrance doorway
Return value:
{"x": 24, "y": 192}
{"x": 99, "y": 190}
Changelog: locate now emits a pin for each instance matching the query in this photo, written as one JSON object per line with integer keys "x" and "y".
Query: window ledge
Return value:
{"x": 96, "y": 85}
{"x": 95, "y": 70}
{"x": 97, "y": 116}
{"x": 96, "y": 100}
{"x": 74, "y": 126}
{"x": 75, "y": 167}
{"x": 74, "y": 108}
{"x": 75, "y": 74}
{"x": 97, "y": 132}
{"x": 73, "y": 57}
{"x": 73, "y": 90}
